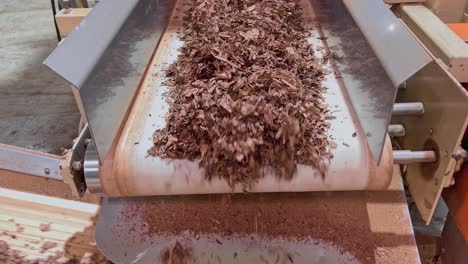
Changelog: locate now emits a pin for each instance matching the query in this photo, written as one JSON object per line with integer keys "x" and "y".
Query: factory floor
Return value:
{"x": 37, "y": 108}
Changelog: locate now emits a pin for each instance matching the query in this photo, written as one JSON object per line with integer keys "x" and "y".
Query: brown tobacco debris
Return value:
{"x": 246, "y": 92}
{"x": 176, "y": 255}
{"x": 44, "y": 227}
{"x": 47, "y": 245}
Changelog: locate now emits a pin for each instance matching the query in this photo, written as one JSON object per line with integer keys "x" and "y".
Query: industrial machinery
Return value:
{"x": 395, "y": 82}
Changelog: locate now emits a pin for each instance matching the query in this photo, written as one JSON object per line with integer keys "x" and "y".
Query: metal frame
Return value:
{"x": 374, "y": 54}
{"x": 67, "y": 168}
{"x": 456, "y": 198}
{"x": 30, "y": 162}
{"x": 398, "y": 51}
{"x": 105, "y": 58}
{"x": 72, "y": 167}
{"x": 365, "y": 36}
{"x": 440, "y": 129}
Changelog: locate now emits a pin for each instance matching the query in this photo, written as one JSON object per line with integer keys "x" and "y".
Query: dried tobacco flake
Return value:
{"x": 246, "y": 92}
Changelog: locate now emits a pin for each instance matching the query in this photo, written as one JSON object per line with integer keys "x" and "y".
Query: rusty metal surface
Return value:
{"x": 456, "y": 198}
{"x": 455, "y": 247}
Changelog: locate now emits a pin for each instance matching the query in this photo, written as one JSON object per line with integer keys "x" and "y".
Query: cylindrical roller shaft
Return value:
{"x": 91, "y": 169}
{"x": 408, "y": 156}
{"x": 396, "y": 130}
{"x": 415, "y": 108}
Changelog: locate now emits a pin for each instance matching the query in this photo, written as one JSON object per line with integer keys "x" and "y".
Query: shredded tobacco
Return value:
{"x": 246, "y": 92}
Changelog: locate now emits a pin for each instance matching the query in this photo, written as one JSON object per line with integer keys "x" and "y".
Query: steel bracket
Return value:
{"x": 439, "y": 129}
{"x": 71, "y": 168}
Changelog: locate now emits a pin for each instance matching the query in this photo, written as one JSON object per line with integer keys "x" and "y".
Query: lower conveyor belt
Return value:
{"x": 132, "y": 173}
{"x": 317, "y": 227}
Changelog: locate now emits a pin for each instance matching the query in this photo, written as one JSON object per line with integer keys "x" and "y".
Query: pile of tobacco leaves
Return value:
{"x": 246, "y": 92}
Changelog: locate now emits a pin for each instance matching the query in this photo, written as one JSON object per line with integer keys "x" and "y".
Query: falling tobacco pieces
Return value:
{"x": 44, "y": 227}
{"x": 177, "y": 254}
{"x": 245, "y": 92}
{"x": 47, "y": 245}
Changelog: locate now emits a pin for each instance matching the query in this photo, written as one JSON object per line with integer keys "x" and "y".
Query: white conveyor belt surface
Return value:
{"x": 133, "y": 173}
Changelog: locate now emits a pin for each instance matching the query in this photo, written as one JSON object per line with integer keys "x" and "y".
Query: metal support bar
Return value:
{"x": 396, "y": 130}
{"x": 415, "y": 108}
{"x": 409, "y": 156}
{"x": 30, "y": 162}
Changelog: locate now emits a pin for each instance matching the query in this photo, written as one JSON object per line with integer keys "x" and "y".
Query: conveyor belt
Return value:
{"x": 132, "y": 173}
{"x": 364, "y": 227}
